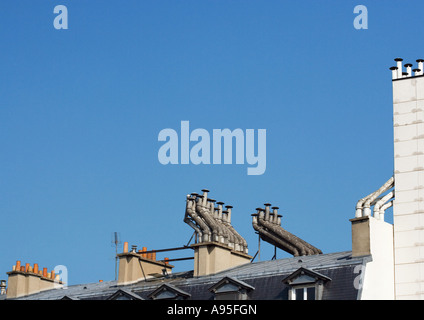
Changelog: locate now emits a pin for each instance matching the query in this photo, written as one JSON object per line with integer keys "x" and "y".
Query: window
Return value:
{"x": 169, "y": 292}
{"x": 123, "y": 294}
{"x": 305, "y": 284}
{"x": 231, "y": 289}
{"x": 303, "y": 293}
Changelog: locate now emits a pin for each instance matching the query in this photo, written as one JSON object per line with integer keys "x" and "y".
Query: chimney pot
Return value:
{"x": 399, "y": 67}
{"x": 125, "y": 247}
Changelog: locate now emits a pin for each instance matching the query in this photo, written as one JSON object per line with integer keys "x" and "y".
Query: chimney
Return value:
{"x": 408, "y": 67}
{"x": 137, "y": 266}
{"x": 268, "y": 226}
{"x": 399, "y": 67}
{"x": 420, "y": 66}
{"x": 219, "y": 246}
{"x": 26, "y": 280}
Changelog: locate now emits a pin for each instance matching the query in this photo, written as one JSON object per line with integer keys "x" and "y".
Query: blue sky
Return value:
{"x": 81, "y": 109}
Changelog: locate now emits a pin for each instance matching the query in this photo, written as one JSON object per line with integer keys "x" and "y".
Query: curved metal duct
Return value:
{"x": 212, "y": 224}
{"x": 363, "y": 206}
{"x": 239, "y": 239}
{"x": 381, "y": 205}
{"x": 268, "y": 225}
{"x": 384, "y": 208}
{"x": 272, "y": 239}
{"x": 389, "y": 184}
{"x": 193, "y": 220}
{"x": 230, "y": 239}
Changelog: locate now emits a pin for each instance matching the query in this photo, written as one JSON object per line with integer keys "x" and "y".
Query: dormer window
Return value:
{"x": 169, "y": 292}
{"x": 231, "y": 289}
{"x": 123, "y": 294}
{"x": 305, "y": 284}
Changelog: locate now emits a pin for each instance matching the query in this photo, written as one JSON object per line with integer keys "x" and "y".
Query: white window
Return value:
{"x": 303, "y": 293}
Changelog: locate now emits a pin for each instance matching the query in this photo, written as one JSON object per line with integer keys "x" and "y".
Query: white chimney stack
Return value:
{"x": 399, "y": 67}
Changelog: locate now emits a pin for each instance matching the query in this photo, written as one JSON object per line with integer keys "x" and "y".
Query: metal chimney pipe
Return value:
{"x": 220, "y": 204}
{"x": 260, "y": 212}
{"x": 420, "y": 66}
{"x": 205, "y": 196}
{"x": 216, "y": 214}
{"x": 394, "y": 72}
{"x": 267, "y": 211}
{"x": 380, "y": 203}
{"x": 229, "y": 213}
{"x": 212, "y": 206}
{"x": 275, "y": 212}
{"x": 408, "y": 67}
{"x": 399, "y": 67}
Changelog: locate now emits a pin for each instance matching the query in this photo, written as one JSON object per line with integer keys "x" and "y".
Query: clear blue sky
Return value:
{"x": 81, "y": 109}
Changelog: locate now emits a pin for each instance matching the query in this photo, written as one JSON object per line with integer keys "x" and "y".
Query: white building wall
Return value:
{"x": 408, "y": 209}
{"x": 378, "y": 282}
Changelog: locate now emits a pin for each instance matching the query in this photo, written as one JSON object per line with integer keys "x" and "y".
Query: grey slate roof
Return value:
{"x": 266, "y": 277}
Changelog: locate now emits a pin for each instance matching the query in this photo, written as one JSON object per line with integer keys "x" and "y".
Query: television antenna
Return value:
{"x": 116, "y": 240}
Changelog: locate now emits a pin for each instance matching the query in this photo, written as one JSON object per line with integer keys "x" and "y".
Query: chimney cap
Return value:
{"x": 275, "y": 208}
{"x": 211, "y": 200}
{"x": 267, "y": 204}
{"x": 405, "y": 73}
{"x": 393, "y": 68}
{"x": 408, "y": 65}
{"x": 205, "y": 190}
{"x": 220, "y": 202}
{"x": 398, "y": 59}
{"x": 416, "y": 70}
{"x": 260, "y": 209}
{"x": 420, "y": 60}
{"x": 230, "y": 207}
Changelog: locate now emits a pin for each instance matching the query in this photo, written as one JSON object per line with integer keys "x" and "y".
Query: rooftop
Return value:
{"x": 264, "y": 276}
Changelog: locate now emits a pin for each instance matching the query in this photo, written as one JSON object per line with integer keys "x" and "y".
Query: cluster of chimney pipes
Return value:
{"x": 398, "y": 73}
{"x": 213, "y": 224}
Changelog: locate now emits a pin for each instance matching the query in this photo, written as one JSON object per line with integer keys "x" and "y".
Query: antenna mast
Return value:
{"x": 116, "y": 241}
